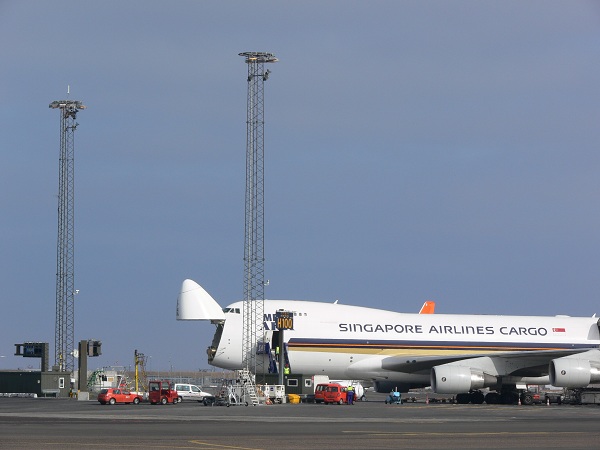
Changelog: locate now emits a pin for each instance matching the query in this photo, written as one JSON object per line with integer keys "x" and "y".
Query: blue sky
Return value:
{"x": 414, "y": 150}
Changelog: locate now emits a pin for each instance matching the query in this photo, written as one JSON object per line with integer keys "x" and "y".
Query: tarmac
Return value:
{"x": 46, "y": 423}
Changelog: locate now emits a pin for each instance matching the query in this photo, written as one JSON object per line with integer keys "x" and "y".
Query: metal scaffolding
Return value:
{"x": 64, "y": 337}
{"x": 254, "y": 283}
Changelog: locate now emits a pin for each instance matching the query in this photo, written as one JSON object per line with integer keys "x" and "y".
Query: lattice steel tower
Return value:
{"x": 64, "y": 335}
{"x": 254, "y": 260}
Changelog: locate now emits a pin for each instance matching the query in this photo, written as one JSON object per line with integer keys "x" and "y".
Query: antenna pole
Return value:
{"x": 254, "y": 284}
{"x": 64, "y": 336}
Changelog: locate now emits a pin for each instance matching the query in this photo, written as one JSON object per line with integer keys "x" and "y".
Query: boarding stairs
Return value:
{"x": 249, "y": 388}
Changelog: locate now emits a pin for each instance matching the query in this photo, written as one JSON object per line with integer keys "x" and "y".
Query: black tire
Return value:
{"x": 477, "y": 398}
{"x": 136, "y": 401}
{"x": 341, "y": 402}
{"x": 508, "y": 398}
{"x": 112, "y": 401}
{"x": 492, "y": 398}
{"x": 527, "y": 399}
{"x": 164, "y": 401}
{"x": 463, "y": 399}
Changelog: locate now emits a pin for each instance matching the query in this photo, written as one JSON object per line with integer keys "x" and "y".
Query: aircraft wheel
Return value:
{"x": 477, "y": 398}
{"x": 492, "y": 398}
{"x": 508, "y": 398}
{"x": 463, "y": 399}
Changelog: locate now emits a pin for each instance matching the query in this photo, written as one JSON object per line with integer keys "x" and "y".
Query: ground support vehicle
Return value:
{"x": 116, "y": 395}
{"x": 209, "y": 401}
{"x": 582, "y": 396}
{"x": 334, "y": 393}
{"x": 161, "y": 391}
{"x": 395, "y": 398}
{"x": 534, "y": 397}
{"x": 192, "y": 392}
{"x": 509, "y": 396}
{"x": 590, "y": 397}
{"x": 274, "y": 392}
{"x": 320, "y": 392}
{"x": 553, "y": 397}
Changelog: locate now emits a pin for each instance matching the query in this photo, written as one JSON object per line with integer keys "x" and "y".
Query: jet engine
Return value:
{"x": 451, "y": 379}
{"x": 573, "y": 372}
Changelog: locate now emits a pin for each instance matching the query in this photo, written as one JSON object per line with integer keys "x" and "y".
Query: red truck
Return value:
{"x": 161, "y": 391}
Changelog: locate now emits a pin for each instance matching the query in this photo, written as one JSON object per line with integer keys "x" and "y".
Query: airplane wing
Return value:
{"x": 522, "y": 363}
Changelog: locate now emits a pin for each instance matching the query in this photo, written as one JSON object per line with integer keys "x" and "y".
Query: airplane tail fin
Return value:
{"x": 428, "y": 307}
{"x": 194, "y": 303}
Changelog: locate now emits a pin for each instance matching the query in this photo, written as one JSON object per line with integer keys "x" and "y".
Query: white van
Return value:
{"x": 191, "y": 392}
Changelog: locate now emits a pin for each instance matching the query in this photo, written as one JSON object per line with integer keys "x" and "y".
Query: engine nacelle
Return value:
{"x": 451, "y": 379}
{"x": 573, "y": 373}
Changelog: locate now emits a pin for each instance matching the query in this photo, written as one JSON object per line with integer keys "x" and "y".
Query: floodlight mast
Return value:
{"x": 64, "y": 336}
{"x": 254, "y": 284}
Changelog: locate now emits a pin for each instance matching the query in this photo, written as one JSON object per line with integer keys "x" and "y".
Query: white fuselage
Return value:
{"x": 343, "y": 341}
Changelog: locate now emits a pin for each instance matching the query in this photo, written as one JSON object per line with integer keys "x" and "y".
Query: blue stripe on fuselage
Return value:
{"x": 432, "y": 345}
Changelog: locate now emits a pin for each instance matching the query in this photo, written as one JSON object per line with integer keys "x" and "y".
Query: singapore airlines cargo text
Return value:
{"x": 440, "y": 329}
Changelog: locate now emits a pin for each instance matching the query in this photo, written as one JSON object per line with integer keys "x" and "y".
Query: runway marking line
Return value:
{"x": 145, "y": 445}
{"x": 206, "y": 445}
{"x": 222, "y": 446}
{"x": 469, "y": 433}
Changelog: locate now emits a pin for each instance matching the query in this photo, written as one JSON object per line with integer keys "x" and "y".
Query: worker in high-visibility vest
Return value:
{"x": 350, "y": 395}
{"x": 286, "y": 369}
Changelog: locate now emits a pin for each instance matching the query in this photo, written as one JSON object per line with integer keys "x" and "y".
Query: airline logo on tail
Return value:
{"x": 428, "y": 307}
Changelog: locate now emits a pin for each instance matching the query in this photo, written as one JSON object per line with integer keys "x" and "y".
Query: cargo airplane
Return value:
{"x": 452, "y": 353}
